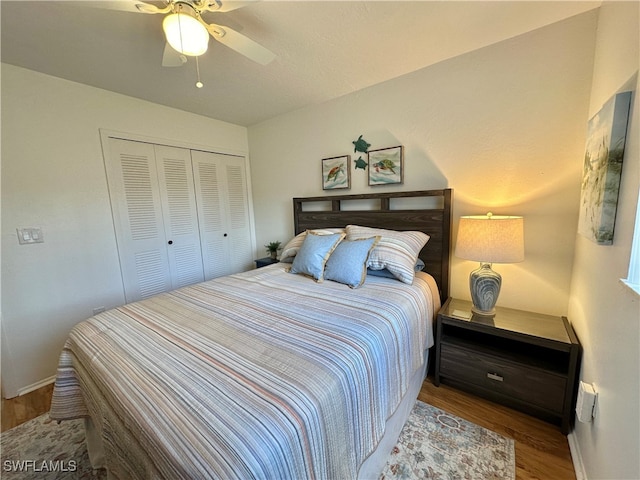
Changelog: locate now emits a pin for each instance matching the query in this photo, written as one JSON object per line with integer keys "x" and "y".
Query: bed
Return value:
{"x": 266, "y": 373}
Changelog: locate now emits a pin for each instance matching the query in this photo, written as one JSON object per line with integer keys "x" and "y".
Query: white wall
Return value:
{"x": 604, "y": 312}
{"x": 53, "y": 177}
{"x": 504, "y": 126}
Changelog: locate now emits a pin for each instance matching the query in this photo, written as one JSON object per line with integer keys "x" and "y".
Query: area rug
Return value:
{"x": 433, "y": 445}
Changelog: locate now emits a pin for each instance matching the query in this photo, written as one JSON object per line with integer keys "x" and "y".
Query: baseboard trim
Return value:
{"x": 576, "y": 456}
{"x": 36, "y": 386}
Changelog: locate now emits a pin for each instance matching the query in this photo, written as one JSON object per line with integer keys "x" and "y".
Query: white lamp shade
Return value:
{"x": 186, "y": 34}
{"x": 491, "y": 239}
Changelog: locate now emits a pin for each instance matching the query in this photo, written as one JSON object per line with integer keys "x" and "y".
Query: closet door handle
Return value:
{"x": 170, "y": 242}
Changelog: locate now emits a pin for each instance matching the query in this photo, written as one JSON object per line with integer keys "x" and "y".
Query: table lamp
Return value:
{"x": 489, "y": 239}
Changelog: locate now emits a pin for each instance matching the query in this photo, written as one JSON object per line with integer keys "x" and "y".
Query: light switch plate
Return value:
{"x": 29, "y": 235}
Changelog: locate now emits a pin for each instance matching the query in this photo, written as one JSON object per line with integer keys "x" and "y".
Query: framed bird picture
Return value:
{"x": 385, "y": 166}
{"x": 336, "y": 172}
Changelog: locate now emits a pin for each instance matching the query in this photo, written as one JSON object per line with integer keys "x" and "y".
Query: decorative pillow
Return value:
{"x": 348, "y": 262}
{"x": 418, "y": 267}
{"x": 396, "y": 251}
{"x": 291, "y": 249}
{"x": 314, "y": 253}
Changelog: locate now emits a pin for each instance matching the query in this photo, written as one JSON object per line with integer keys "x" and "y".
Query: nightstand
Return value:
{"x": 263, "y": 262}
{"x": 527, "y": 361}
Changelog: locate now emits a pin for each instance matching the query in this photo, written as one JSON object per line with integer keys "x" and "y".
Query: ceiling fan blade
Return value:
{"x": 135, "y": 6}
{"x": 172, "y": 58}
{"x": 241, "y": 44}
{"x": 225, "y": 5}
{"x": 149, "y": 8}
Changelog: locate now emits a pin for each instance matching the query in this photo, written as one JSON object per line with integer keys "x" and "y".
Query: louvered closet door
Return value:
{"x": 223, "y": 211}
{"x": 137, "y": 212}
{"x": 175, "y": 177}
{"x": 241, "y": 257}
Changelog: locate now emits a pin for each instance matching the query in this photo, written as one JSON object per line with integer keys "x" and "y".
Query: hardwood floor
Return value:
{"x": 542, "y": 452}
{"x": 25, "y": 407}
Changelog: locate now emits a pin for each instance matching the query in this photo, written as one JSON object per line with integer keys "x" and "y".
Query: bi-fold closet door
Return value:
{"x": 171, "y": 215}
{"x": 223, "y": 210}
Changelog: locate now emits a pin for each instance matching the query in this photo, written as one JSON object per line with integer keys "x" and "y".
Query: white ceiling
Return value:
{"x": 325, "y": 49}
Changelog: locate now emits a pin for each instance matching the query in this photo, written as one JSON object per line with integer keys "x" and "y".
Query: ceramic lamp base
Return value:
{"x": 485, "y": 286}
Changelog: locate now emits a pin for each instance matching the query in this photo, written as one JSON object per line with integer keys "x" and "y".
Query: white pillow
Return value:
{"x": 396, "y": 251}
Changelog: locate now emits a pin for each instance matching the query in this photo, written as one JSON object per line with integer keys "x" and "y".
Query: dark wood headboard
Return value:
{"x": 433, "y": 219}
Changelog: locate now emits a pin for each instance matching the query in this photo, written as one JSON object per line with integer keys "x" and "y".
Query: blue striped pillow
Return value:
{"x": 396, "y": 251}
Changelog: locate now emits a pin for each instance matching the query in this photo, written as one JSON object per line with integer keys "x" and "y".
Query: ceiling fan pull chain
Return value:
{"x": 180, "y": 29}
{"x": 199, "y": 84}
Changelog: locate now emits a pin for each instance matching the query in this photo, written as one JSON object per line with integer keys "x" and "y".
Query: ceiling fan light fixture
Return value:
{"x": 186, "y": 34}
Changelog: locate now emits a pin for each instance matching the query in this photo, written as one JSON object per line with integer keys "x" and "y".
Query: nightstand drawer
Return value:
{"x": 517, "y": 381}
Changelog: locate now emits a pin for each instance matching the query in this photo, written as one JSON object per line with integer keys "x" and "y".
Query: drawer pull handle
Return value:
{"x": 495, "y": 376}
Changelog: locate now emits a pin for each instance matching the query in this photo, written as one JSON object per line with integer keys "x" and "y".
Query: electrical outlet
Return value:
{"x": 586, "y": 402}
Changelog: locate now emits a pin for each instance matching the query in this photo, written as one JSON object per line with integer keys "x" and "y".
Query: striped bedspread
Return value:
{"x": 263, "y": 374}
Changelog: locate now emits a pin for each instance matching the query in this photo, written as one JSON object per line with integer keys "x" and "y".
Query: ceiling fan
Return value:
{"x": 188, "y": 34}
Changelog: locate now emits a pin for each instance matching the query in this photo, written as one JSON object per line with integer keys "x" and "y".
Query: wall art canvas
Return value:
{"x": 606, "y": 138}
{"x": 385, "y": 166}
{"x": 336, "y": 172}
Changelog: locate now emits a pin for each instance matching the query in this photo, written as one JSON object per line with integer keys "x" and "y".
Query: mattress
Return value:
{"x": 263, "y": 374}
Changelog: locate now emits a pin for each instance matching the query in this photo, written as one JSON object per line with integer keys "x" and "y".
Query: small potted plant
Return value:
{"x": 272, "y": 248}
